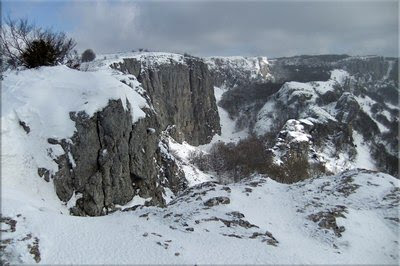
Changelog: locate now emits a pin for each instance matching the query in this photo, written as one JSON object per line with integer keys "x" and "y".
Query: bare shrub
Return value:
{"x": 234, "y": 162}
{"x": 200, "y": 159}
{"x": 24, "y": 44}
{"x": 88, "y": 55}
{"x": 294, "y": 168}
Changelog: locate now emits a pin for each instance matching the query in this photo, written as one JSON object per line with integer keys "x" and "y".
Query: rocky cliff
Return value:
{"x": 182, "y": 94}
{"x": 109, "y": 160}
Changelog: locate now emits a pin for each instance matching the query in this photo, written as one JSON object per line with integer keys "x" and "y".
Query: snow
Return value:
{"x": 265, "y": 118}
{"x": 136, "y": 200}
{"x": 392, "y": 106}
{"x": 168, "y": 195}
{"x": 183, "y": 151}
{"x": 335, "y": 162}
{"x": 72, "y": 201}
{"x": 43, "y": 99}
{"x": 147, "y": 59}
{"x": 282, "y": 210}
{"x": 293, "y": 89}
{"x": 71, "y": 160}
{"x": 255, "y": 67}
{"x": 305, "y": 93}
{"x": 390, "y": 68}
{"x": 366, "y": 104}
{"x": 296, "y": 131}
{"x": 338, "y": 76}
{"x": 363, "y": 159}
{"x": 320, "y": 113}
{"x": 229, "y": 133}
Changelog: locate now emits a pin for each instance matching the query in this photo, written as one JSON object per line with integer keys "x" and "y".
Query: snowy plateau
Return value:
{"x": 96, "y": 162}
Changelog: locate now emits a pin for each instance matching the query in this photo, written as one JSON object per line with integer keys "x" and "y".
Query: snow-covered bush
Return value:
{"x": 88, "y": 55}
{"x": 24, "y": 44}
{"x": 74, "y": 60}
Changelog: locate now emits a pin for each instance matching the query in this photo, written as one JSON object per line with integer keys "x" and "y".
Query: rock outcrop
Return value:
{"x": 109, "y": 161}
{"x": 182, "y": 94}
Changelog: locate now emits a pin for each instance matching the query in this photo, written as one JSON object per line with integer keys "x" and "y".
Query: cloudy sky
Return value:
{"x": 271, "y": 28}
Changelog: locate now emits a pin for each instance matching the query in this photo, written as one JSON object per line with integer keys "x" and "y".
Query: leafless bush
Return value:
{"x": 201, "y": 160}
{"x": 24, "y": 44}
{"x": 234, "y": 162}
{"x": 88, "y": 55}
{"x": 293, "y": 169}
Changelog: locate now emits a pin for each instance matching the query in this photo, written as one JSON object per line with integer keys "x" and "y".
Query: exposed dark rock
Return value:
{"x": 113, "y": 161}
{"x": 34, "y": 250}
{"x": 347, "y": 107}
{"x": 230, "y": 223}
{"x": 346, "y": 186}
{"x": 233, "y": 235}
{"x": 133, "y": 208}
{"x": 10, "y": 222}
{"x": 236, "y": 214}
{"x": 327, "y": 219}
{"x": 26, "y": 128}
{"x": 227, "y": 189}
{"x": 216, "y": 201}
{"x": 43, "y": 172}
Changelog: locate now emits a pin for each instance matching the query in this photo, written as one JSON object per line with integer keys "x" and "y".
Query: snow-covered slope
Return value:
{"x": 36, "y": 106}
{"x": 347, "y": 219}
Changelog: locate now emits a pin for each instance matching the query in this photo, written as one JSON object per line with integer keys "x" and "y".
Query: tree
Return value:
{"x": 24, "y": 44}
{"x": 88, "y": 55}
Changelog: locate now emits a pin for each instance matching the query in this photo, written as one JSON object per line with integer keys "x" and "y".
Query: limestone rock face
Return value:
{"x": 109, "y": 161}
{"x": 347, "y": 107}
{"x": 182, "y": 95}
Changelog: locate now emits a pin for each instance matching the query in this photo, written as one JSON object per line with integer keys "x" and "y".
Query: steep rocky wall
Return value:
{"x": 182, "y": 95}
{"x": 376, "y": 67}
{"x": 109, "y": 161}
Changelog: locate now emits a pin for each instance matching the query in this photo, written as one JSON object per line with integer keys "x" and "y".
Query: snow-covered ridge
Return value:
{"x": 148, "y": 59}
{"x": 256, "y": 67}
